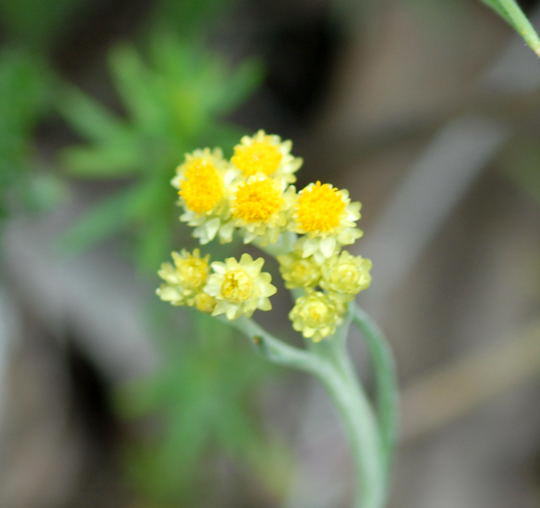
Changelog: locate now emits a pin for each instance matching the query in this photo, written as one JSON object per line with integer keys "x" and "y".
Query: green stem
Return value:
{"x": 329, "y": 362}
{"x": 385, "y": 378}
{"x": 273, "y": 348}
{"x": 343, "y": 387}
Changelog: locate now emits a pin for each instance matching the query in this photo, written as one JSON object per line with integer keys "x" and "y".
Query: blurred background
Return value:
{"x": 429, "y": 112}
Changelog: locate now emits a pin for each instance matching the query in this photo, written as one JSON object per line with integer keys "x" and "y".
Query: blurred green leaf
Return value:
{"x": 90, "y": 119}
{"x": 174, "y": 96}
{"x": 102, "y": 161}
{"x": 43, "y": 191}
{"x": 136, "y": 85}
{"x": 25, "y": 91}
{"x": 102, "y": 221}
{"x": 510, "y": 11}
{"x": 202, "y": 396}
{"x": 189, "y": 20}
{"x": 245, "y": 79}
{"x": 35, "y": 24}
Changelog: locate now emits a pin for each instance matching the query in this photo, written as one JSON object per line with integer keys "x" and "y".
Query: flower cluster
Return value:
{"x": 253, "y": 194}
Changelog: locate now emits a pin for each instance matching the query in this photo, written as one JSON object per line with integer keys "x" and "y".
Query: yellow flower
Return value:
{"x": 239, "y": 287}
{"x": 203, "y": 182}
{"x": 185, "y": 278}
{"x": 204, "y": 302}
{"x": 298, "y": 272}
{"x": 316, "y": 315}
{"x": 260, "y": 207}
{"x": 326, "y": 216}
{"x": 346, "y": 274}
{"x": 266, "y": 154}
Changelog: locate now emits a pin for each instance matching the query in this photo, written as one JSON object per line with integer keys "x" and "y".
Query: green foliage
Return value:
{"x": 189, "y": 20}
{"x": 24, "y": 97}
{"x": 174, "y": 100}
{"x": 201, "y": 401}
{"x": 510, "y": 11}
{"x": 35, "y": 24}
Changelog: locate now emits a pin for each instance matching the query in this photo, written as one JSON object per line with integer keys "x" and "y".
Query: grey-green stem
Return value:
{"x": 329, "y": 362}
{"x": 385, "y": 380}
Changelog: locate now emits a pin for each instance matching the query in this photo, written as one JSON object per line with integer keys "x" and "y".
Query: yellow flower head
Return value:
{"x": 266, "y": 154}
{"x": 204, "y": 302}
{"x": 184, "y": 279}
{"x": 239, "y": 287}
{"x": 254, "y": 194}
{"x": 346, "y": 274}
{"x": 326, "y": 216}
{"x": 203, "y": 181}
{"x": 298, "y": 272}
{"x": 260, "y": 207}
{"x": 316, "y": 315}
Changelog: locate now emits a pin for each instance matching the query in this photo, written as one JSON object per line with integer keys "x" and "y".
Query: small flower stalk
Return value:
{"x": 252, "y": 196}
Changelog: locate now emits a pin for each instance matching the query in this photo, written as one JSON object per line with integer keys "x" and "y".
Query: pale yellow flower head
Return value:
{"x": 183, "y": 279}
{"x": 203, "y": 182}
{"x": 326, "y": 217}
{"x": 346, "y": 274}
{"x": 316, "y": 315}
{"x": 239, "y": 287}
{"x": 260, "y": 207}
{"x": 266, "y": 154}
{"x": 299, "y": 272}
{"x": 204, "y": 302}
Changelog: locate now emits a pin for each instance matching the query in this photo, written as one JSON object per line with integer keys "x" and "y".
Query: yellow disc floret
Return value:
{"x": 320, "y": 208}
{"x": 316, "y": 315}
{"x": 239, "y": 287}
{"x": 204, "y": 302}
{"x": 257, "y": 200}
{"x": 258, "y": 157}
{"x": 346, "y": 274}
{"x": 203, "y": 181}
{"x": 326, "y": 217}
{"x": 201, "y": 187}
{"x": 267, "y": 155}
{"x": 184, "y": 279}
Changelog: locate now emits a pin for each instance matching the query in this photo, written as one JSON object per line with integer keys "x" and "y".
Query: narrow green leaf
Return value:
{"x": 241, "y": 84}
{"x": 88, "y": 117}
{"x": 512, "y": 13}
{"x": 136, "y": 87}
{"x": 101, "y": 221}
{"x": 107, "y": 161}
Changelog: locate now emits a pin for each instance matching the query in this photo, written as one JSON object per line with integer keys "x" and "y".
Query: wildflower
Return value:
{"x": 239, "y": 287}
{"x": 299, "y": 272}
{"x": 316, "y": 315}
{"x": 326, "y": 216}
{"x": 260, "y": 207}
{"x": 203, "y": 182}
{"x": 185, "y": 278}
{"x": 254, "y": 193}
{"x": 346, "y": 274}
{"x": 266, "y": 154}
